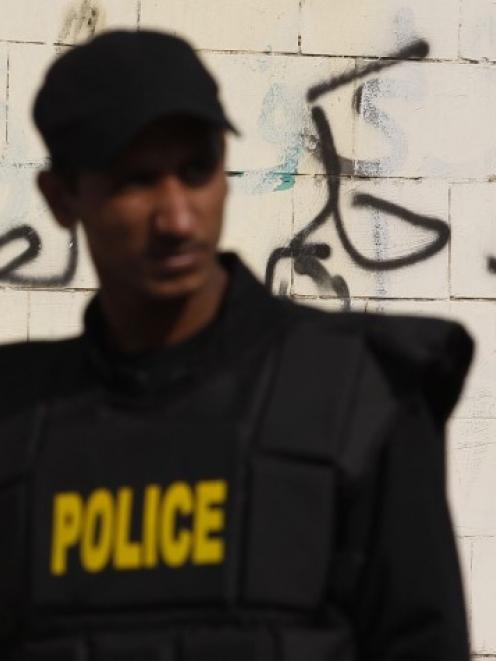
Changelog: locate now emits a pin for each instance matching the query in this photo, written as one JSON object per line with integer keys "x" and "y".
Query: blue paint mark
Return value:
{"x": 280, "y": 123}
{"x": 287, "y": 182}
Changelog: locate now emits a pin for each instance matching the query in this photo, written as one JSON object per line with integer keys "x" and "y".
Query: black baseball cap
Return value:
{"x": 96, "y": 97}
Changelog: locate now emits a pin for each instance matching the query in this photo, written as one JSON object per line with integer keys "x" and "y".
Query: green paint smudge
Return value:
{"x": 287, "y": 181}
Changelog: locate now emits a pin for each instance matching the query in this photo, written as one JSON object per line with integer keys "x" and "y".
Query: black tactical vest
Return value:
{"x": 204, "y": 525}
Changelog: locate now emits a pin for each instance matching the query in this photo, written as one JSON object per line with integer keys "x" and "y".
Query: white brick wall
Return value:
{"x": 55, "y": 314}
{"x": 63, "y": 21}
{"x": 420, "y": 135}
{"x": 478, "y": 30}
{"x": 377, "y": 236}
{"x": 270, "y": 109}
{"x": 249, "y": 216}
{"x": 421, "y": 118}
{"x": 483, "y": 594}
{"x": 364, "y": 28}
{"x": 256, "y": 25}
{"x": 473, "y": 221}
{"x": 472, "y": 466}
{"x": 15, "y": 313}
{"x": 27, "y": 65}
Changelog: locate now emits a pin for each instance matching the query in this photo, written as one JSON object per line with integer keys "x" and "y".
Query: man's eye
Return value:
{"x": 198, "y": 171}
{"x": 135, "y": 180}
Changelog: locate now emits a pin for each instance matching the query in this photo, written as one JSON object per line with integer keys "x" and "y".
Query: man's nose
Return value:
{"x": 172, "y": 211}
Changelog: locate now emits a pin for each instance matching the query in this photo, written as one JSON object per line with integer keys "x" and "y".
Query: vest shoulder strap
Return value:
{"x": 329, "y": 400}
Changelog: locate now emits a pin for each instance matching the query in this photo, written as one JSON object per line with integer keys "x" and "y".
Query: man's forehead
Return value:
{"x": 174, "y": 128}
{"x": 175, "y": 131}
{"x": 167, "y": 139}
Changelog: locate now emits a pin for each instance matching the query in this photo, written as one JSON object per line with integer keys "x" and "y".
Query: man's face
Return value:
{"x": 153, "y": 219}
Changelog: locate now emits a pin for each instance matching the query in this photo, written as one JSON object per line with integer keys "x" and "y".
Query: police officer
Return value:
{"x": 208, "y": 472}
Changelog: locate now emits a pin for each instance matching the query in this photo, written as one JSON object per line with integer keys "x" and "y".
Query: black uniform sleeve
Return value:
{"x": 409, "y": 603}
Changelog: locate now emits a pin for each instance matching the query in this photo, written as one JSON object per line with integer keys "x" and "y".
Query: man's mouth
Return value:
{"x": 175, "y": 259}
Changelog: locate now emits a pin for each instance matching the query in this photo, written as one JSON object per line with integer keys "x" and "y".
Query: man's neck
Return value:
{"x": 134, "y": 325}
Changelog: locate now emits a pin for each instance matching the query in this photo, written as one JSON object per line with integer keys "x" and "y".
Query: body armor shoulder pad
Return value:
{"x": 330, "y": 400}
{"x": 341, "y": 379}
{"x": 429, "y": 355}
{"x": 432, "y": 356}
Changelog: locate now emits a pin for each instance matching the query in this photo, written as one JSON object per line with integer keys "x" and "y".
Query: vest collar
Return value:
{"x": 247, "y": 315}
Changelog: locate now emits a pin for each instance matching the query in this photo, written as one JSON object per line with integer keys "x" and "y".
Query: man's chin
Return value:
{"x": 173, "y": 288}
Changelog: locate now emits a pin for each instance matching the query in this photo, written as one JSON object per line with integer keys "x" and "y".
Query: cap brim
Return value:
{"x": 113, "y": 142}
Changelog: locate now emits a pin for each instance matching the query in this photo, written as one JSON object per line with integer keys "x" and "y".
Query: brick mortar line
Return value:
{"x": 459, "y": 35}
{"x": 28, "y": 320}
{"x": 29, "y": 165}
{"x": 475, "y": 536}
{"x": 302, "y": 297}
{"x": 470, "y": 589}
{"x": 300, "y": 19}
{"x": 450, "y": 254}
{"x": 476, "y": 419}
{"x": 296, "y": 53}
{"x": 333, "y": 56}
{"x": 414, "y": 299}
{"x": 63, "y": 290}
{"x": 357, "y": 177}
{"x": 7, "y": 99}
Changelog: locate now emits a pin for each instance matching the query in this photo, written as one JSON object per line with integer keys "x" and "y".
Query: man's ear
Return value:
{"x": 58, "y": 197}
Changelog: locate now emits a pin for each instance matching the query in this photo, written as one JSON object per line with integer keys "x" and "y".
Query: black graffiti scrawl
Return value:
{"x": 306, "y": 255}
{"x": 8, "y": 272}
{"x": 80, "y": 22}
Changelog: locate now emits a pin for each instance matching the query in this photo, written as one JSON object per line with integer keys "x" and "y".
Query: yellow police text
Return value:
{"x": 99, "y": 527}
